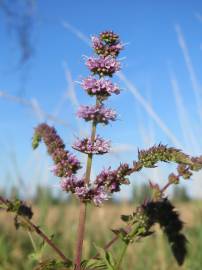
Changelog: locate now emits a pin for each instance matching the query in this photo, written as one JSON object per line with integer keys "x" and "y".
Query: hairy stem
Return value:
{"x": 83, "y": 206}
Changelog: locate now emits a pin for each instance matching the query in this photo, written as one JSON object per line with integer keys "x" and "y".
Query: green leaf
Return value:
{"x": 126, "y": 218}
{"x": 36, "y": 140}
{"x": 106, "y": 257}
{"x": 94, "y": 264}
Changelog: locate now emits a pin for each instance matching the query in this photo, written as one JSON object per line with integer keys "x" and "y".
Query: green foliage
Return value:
{"x": 150, "y": 213}
{"x": 148, "y": 158}
{"x": 53, "y": 264}
{"x": 104, "y": 262}
{"x": 36, "y": 140}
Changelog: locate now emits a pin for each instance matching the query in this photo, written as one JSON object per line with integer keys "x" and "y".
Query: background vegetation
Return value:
{"x": 58, "y": 218}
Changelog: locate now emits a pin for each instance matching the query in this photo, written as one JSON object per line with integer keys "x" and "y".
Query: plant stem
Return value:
{"x": 83, "y": 206}
{"x": 37, "y": 230}
{"x": 82, "y": 219}
{"x": 123, "y": 251}
{"x": 32, "y": 241}
{"x": 80, "y": 237}
{"x": 111, "y": 242}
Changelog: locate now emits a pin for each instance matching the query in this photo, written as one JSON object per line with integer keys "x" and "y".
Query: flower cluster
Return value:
{"x": 107, "y": 182}
{"x": 109, "y": 37}
{"x": 103, "y": 66}
{"x": 104, "y": 49}
{"x": 112, "y": 179}
{"x": 97, "y": 113}
{"x": 97, "y": 146}
{"x": 84, "y": 192}
{"x": 65, "y": 162}
{"x": 107, "y": 46}
{"x": 100, "y": 87}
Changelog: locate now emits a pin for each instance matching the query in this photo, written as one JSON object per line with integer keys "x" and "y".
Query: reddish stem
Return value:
{"x": 83, "y": 207}
{"x": 41, "y": 234}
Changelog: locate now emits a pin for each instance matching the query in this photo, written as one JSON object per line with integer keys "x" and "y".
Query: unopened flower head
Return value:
{"x": 109, "y": 37}
{"x": 104, "y": 49}
{"x": 98, "y": 146}
{"x": 101, "y": 88}
{"x": 103, "y": 66}
{"x": 97, "y": 113}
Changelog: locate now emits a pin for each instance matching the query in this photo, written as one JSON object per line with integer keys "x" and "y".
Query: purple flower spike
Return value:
{"x": 100, "y": 87}
{"x": 65, "y": 162}
{"x": 103, "y": 66}
{"x": 97, "y": 113}
{"x": 99, "y": 146}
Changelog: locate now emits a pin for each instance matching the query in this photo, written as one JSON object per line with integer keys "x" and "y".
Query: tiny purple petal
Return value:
{"x": 100, "y": 196}
{"x": 99, "y": 146}
{"x": 68, "y": 183}
{"x": 103, "y": 66}
{"x": 98, "y": 114}
{"x": 100, "y": 87}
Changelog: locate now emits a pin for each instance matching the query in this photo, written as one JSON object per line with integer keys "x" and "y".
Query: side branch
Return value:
{"x": 39, "y": 232}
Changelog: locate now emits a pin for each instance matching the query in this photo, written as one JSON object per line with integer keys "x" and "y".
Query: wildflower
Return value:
{"x": 100, "y": 195}
{"x": 97, "y": 146}
{"x": 103, "y": 66}
{"x": 97, "y": 113}
{"x": 109, "y": 37}
{"x": 67, "y": 183}
{"x": 113, "y": 179}
{"x": 65, "y": 162}
{"x": 81, "y": 192}
{"x": 106, "y": 49}
{"x": 102, "y": 88}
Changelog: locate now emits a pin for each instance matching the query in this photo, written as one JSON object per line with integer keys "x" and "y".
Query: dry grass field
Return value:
{"x": 61, "y": 221}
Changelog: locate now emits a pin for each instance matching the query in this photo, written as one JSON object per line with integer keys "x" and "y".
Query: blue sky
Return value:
{"x": 153, "y": 61}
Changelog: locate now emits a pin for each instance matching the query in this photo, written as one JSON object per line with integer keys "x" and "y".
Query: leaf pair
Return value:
{"x": 104, "y": 262}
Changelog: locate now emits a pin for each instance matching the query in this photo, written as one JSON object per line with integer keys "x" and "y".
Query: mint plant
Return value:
{"x": 157, "y": 209}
